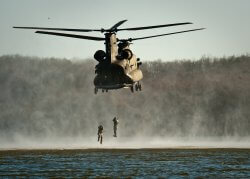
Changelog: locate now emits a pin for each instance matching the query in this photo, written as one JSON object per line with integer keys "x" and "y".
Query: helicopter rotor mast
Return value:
{"x": 111, "y": 42}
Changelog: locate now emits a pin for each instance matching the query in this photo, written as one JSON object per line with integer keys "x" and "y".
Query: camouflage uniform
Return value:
{"x": 99, "y": 133}
{"x": 115, "y": 120}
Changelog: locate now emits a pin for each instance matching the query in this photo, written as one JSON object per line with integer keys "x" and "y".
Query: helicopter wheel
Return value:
{"x": 136, "y": 87}
{"x": 106, "y": 90}
{"x": 139, "y": 87}
{"x": 103, "y": 90}
{"x": 96, "y": 90}
{"x": 132, "y": 88}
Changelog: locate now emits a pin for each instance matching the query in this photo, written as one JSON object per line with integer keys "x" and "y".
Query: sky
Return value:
{"x": 226, "y": 21}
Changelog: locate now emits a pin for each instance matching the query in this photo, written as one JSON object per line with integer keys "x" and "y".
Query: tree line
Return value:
{"x": 54, "y": 97}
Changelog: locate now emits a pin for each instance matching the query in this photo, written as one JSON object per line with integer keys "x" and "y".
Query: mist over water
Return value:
{"x": 50, "y": 103}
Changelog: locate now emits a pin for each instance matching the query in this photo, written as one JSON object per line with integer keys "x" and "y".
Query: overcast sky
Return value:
{"x": 226, "y": 21}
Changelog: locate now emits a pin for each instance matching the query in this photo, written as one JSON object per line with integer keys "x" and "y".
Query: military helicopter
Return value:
{"x": 117, "y": 67}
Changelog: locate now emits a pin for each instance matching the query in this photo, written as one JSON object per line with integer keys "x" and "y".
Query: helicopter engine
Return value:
{"x": 125, "y": 54}
{"x": 100, "y": 55}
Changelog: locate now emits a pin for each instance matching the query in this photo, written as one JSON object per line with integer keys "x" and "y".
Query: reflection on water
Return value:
{"x": 127, "y": 163}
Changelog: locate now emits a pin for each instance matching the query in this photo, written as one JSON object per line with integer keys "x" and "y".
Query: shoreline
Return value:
{"x": 124, "y": 148}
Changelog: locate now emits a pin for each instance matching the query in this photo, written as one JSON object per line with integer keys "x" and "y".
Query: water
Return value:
{"x": 156, "y": 163}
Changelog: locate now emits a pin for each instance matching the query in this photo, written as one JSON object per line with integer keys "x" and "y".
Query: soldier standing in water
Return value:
{"x": 115, "y": 121}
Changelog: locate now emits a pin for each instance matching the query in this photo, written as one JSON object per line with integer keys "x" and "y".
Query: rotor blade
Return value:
{"x": 72, "y": 35}
{"x": 114, "y": 27}
{"x": 155, "y": 26}
{"x": 147, "y": 37}
{"x": 60, "y": 29}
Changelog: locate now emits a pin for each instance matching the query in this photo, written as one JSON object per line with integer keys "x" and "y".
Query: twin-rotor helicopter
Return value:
{"x": 117, "y": 67}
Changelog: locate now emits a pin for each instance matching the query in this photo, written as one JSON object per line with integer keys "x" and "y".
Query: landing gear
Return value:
{"x": 138, "y": 87}
{"x": 132, "y": 88}
{"x": 96, "y": 90}
{"x": 103, "y": 90}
